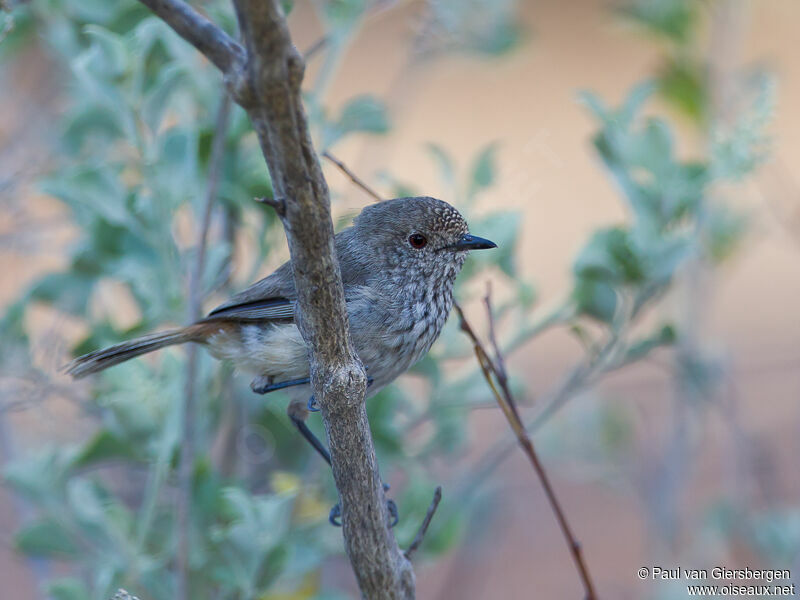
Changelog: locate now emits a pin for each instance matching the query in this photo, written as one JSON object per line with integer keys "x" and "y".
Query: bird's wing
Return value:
{"x": 272, "y": 309}
{"x": 272, "y": 298}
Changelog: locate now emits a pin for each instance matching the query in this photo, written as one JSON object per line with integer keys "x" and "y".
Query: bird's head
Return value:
{"x": 417, "y": 237}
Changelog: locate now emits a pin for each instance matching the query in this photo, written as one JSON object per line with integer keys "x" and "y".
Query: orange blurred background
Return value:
{"x": 526, "y": 101}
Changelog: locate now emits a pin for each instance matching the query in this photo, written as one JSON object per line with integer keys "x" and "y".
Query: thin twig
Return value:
{"x": 493, "y": 372}
{"x": 353, "y": 177}
{"x": 423, "y": 528}
{"x": 214, "y": 170}
{"x": 579, "y": 377}
{"x": 212, "y": 41}
{"x": 279, "y": 204}
{"x": 316, "y": 47}
{"x": 186, "y": 469}
{"x": 498, "y": 356}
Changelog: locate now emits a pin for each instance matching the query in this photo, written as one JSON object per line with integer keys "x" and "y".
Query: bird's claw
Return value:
{"x": 391, "y": 506}
{"x": 394, "y": 515}
{"x": 312, "y": 405}
{"x": 333, "y": 517}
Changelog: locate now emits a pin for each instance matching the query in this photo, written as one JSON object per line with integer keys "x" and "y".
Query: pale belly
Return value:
{"x": 277, "y": 351}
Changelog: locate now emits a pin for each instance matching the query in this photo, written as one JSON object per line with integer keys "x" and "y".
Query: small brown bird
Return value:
{"x": 399, "y": 262}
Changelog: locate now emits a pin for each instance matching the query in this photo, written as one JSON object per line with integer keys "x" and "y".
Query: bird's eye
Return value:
{"x": 417, "y": 240}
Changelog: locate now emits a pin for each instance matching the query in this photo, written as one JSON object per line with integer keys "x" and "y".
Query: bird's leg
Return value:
{"x": 336, "y": 512}
{"x": 391, "y": 506}
{"x": 311, "y": 438}
{"x": 263, "y": 384}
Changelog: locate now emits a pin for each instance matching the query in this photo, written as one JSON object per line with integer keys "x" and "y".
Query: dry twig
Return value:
{"x": 187, "y": 455}
{"x": 495, "y": 374}
{"x": 423, "y": 528}
{"x": 353, "y": 177}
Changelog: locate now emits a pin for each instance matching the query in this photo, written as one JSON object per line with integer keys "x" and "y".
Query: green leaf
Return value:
{"x": 671, "y": 19}
{"x": 365, "y": 114}
{"x": 502, "y": 227}
{"x": 739, "y": 147}
{"x": 487, "y": 27}
{"x": 271, "y": 567}
{"x": 38, "y": 476}
{"x": 69, "y": 291}
{"x": 388, "y": 438}
{"x": 596, "y": 299}
{"x": 258, "y": 522}
{"x": 725, "y": 230}
{"x": 156, "y": 101}
{"x": 111, "y": 55}
{"x": 97, "y": 11}
{"x": 502, "y": 39}
{"x": 660, "y": 189}
{"x": 610, "y": 256}
{"x": 595, "y": 105}
{"x": 45, "y": 538}
{"x": 342, "y": 13}
{"x": 664, "y": 336}
{"x": 444, "y": 163}
{"x": 68, "y": 588}
{"x": 483, "y": 170}
{"x": 86, "y": 501}
{"x": 92, "y": 124}
{"x": 640, "y": 94}
{"x": 429, "y": 368}
{"x": 92, "y": 193}
{"x": 104, "y": 446}
{"x": 683, "y": 85}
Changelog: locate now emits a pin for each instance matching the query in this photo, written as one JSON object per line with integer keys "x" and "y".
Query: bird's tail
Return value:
{"x": 113, "y": 355}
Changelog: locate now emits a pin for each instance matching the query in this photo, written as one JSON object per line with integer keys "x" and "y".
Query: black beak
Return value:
{"x": 471, "y": 242}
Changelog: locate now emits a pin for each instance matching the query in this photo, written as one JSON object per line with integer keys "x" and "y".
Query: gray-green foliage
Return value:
{"x": 681, "y": 79}
{"x": 134, "y": 153}
{"x": 136, "y": 141}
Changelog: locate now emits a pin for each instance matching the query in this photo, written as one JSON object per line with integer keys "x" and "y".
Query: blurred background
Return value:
{"x": 635, "y": 163}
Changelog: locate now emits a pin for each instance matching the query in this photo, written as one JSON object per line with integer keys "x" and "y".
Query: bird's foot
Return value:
{"x": 312, "y": 405}
{"x": 261, "y": 384}
{"x": 391, "y": 507}
{"x": 264, "y": 384}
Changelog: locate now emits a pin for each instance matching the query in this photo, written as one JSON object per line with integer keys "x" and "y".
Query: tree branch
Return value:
{"x": 426, "y": 522}
{"x": 208, "y": 38}
{"x": 353, "y": 177}
{"x": 494, "y": 370}
{"x": 265, "y": 79}
{"x": 189, "y": 417}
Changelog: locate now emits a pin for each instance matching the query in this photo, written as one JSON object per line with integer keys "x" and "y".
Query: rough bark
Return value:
{"x": 264, "y": 77}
